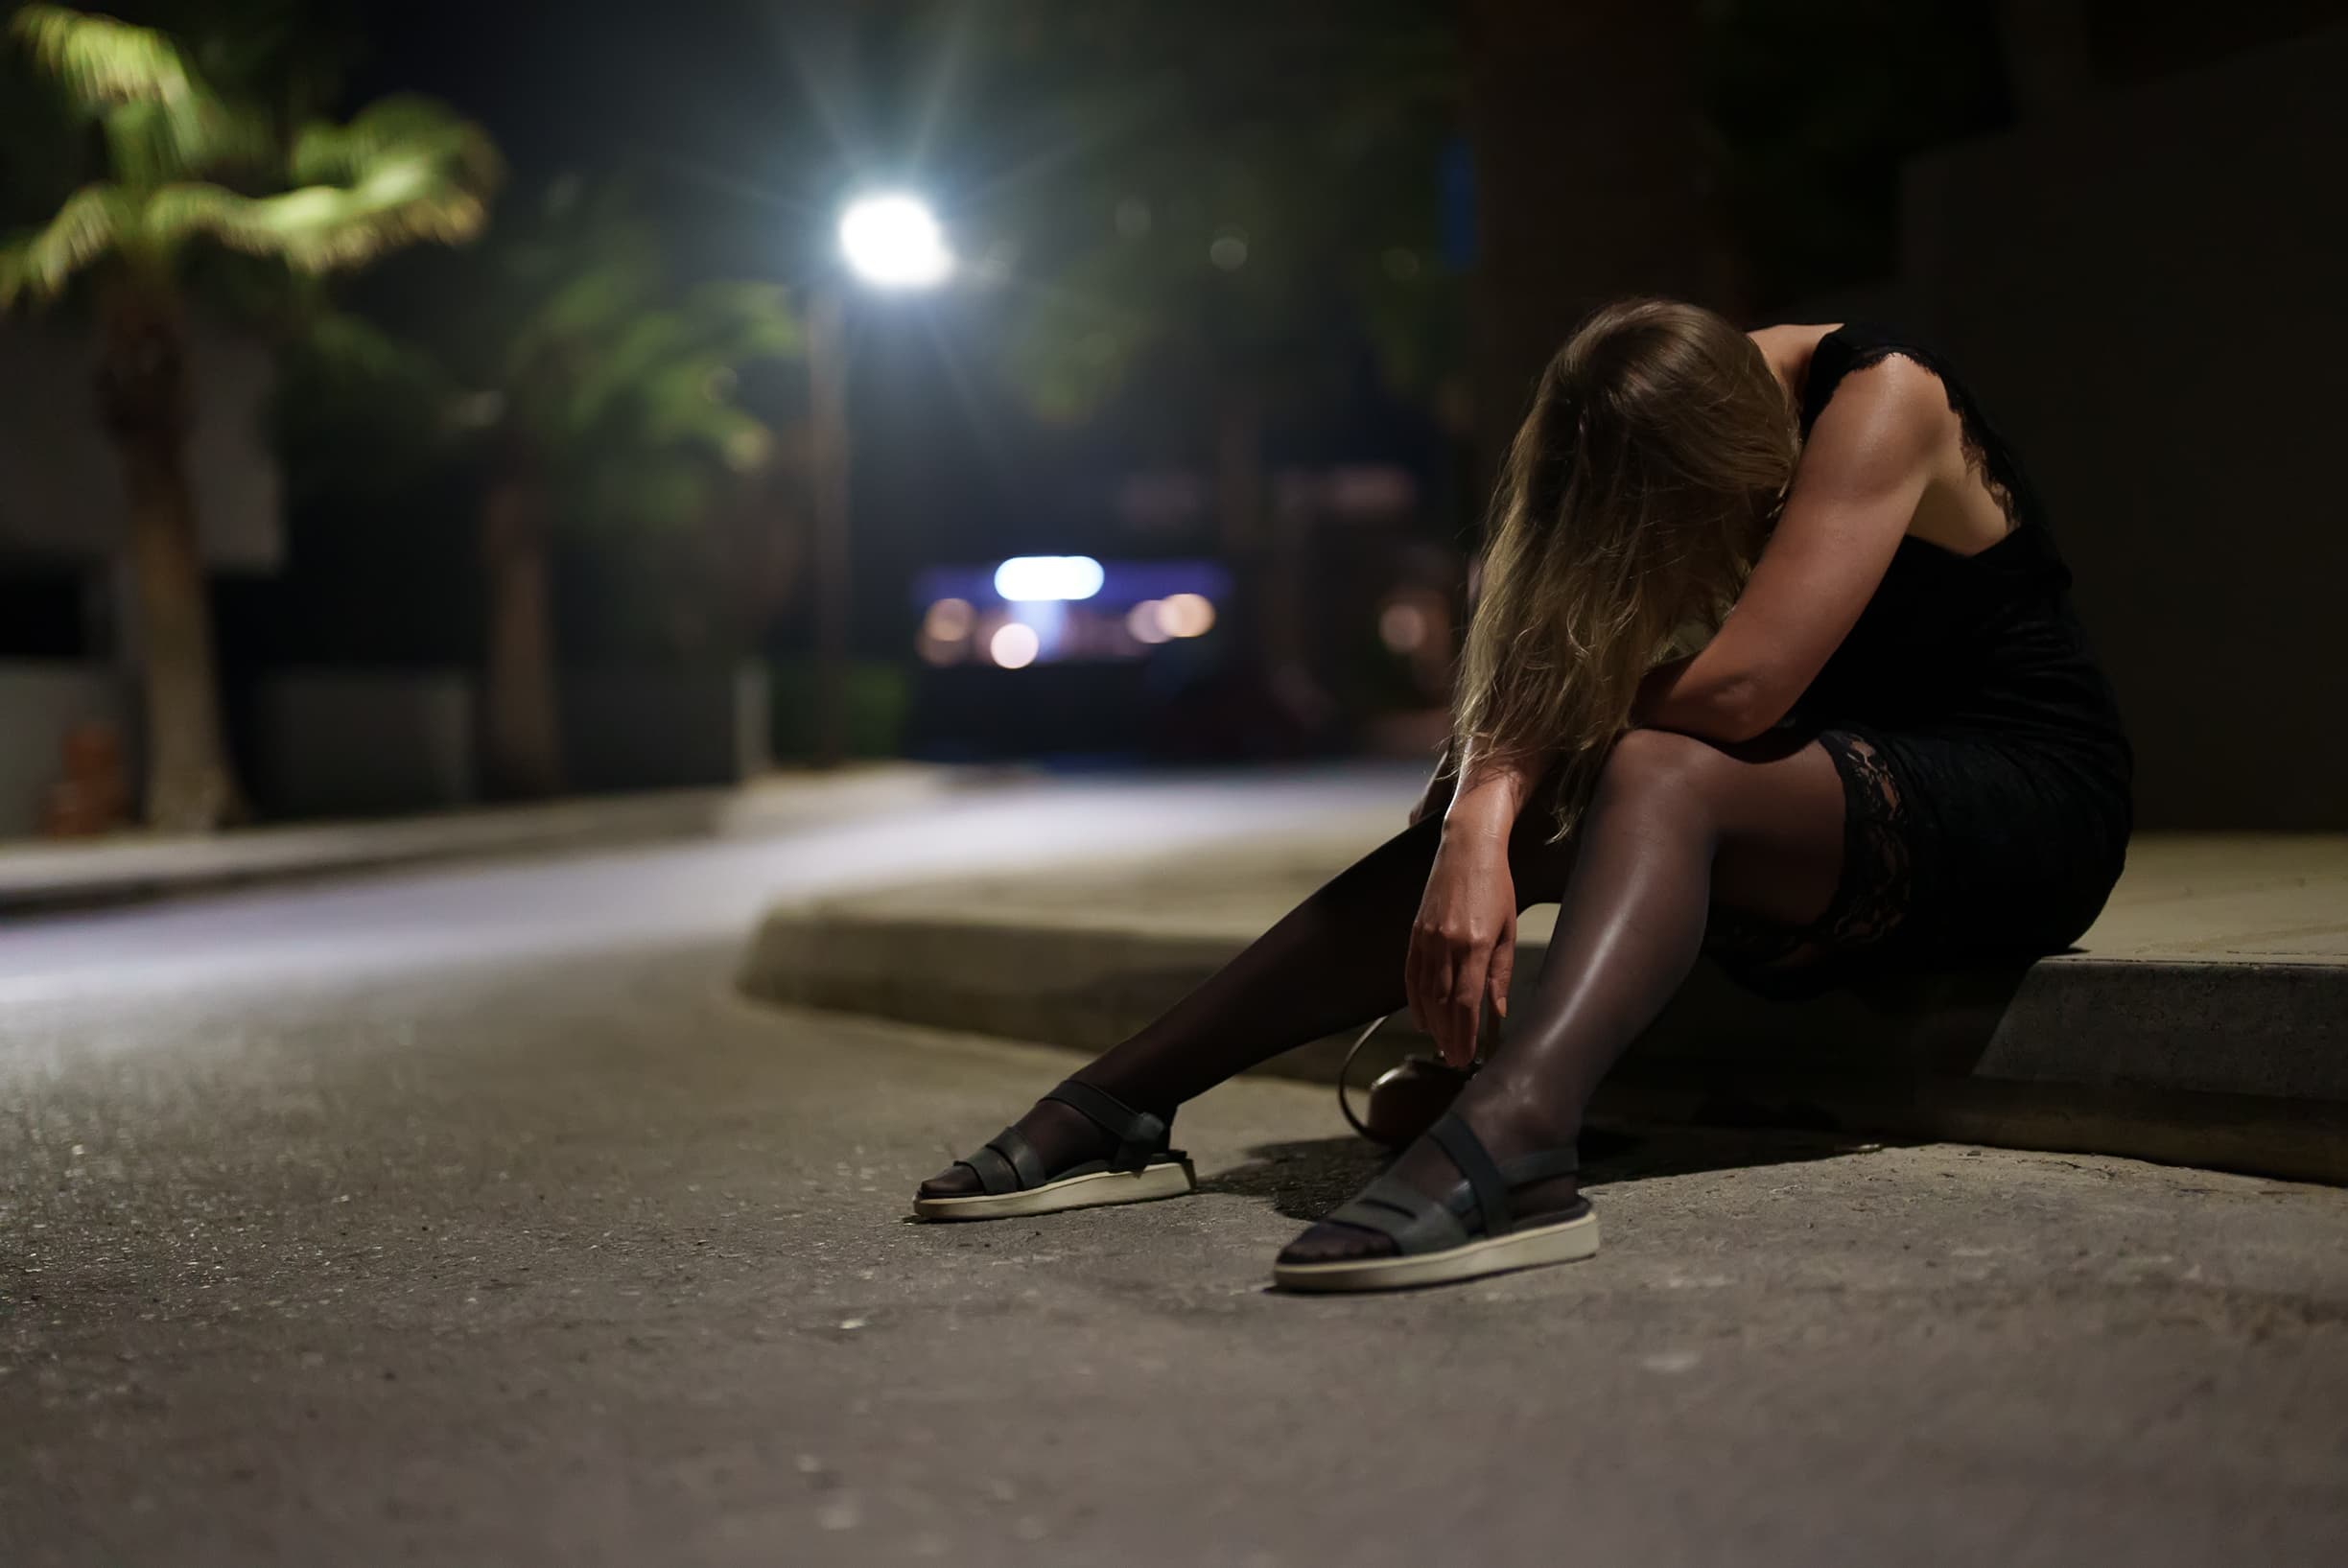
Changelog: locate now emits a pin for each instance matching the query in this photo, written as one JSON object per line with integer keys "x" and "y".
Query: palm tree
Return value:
{"x": 184, "y": 162}
{"x": 614, "y": 406}
{"x": 594, "y": 395}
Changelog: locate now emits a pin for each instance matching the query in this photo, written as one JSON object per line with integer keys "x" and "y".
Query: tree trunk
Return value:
{"x": 1264, "y": 627}
{"x": 1239, "y": 526}
{"x": 826, "y": 363}
{"x": 521, "y": 738}
{"x": 142, "y": 401}
{"x": 1238, "y": 471}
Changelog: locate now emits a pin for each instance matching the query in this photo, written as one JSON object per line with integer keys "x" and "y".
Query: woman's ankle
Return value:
{"x": 1064, "y": 1135}
{"x": 1510, "y": 1124}
{"x": 1135, "y": 1091}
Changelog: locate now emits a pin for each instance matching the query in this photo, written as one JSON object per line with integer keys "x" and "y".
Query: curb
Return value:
{"x": 134, "y": 868}
{"x": 2224, "y": 1065}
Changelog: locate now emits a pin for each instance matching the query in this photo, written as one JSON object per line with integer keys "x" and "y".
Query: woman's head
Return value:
{"x": 1632, "y": 504}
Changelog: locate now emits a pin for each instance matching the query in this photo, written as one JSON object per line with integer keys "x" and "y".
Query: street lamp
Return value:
{"x": 891, "y": 240}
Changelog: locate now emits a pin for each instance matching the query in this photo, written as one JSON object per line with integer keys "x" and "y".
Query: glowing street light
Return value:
{"x": 893, "y": 241}
{"x": 890, "y": 239}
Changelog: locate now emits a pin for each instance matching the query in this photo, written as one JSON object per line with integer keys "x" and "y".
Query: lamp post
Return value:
{"x": 889, "y": 241}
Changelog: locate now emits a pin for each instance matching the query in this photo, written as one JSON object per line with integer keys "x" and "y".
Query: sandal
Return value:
{"x": 1011, "y": 1172}
{"x": 1465, "y": 1234}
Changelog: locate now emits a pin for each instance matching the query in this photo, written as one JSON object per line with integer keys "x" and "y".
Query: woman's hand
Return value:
{"x": 1463, "y": 946}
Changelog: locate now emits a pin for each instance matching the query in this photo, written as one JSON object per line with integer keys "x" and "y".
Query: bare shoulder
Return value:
{"x": 1891, "y": 423}
{"x": 1892, "y": 392}
{"x": 1792, "y": 338}
{"x": 1884, "y": 426}
{"x": 1893, "y": 405}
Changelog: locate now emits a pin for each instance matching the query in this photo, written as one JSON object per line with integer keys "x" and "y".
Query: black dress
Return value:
{"x": 1985, "y": 774}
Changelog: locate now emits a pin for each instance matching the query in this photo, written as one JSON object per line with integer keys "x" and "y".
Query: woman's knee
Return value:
{"x": 1653, "y": 766}
{"x": 1648, "y": 779}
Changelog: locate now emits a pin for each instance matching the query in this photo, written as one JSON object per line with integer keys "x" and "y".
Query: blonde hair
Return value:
{"x": 1633, "y": 502}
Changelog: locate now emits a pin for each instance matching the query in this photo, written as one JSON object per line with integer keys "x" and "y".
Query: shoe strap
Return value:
{"x": 1413, "y": 1221}
{"x": 996, "y": 1174}
{"x": 1456, "y": 1138}
{"x": 1025, "y": 1164}
{"x": 1140, "y": 1133}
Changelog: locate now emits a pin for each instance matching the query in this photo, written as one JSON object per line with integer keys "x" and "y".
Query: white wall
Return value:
{"x": 38, "y": 703}
{"x": 60, "y": 489}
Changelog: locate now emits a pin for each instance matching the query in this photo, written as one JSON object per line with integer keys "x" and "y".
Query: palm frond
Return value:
{"x": 189, "y": 207}
{"x": 151, "y": 143}
{"x": 140, "y": 147}
{"x": 617, "y": 367}
{"x": 404, "y": 170}
{"x": 396, "y": 131}
{"x": 321, "y": 228}
{"x": 575, "y": 294}
{"x": 748, "y": 320}
{"x": 101, "y": 60}
{"x": 94, "y": 220}
{"x": 162, "y": 121}
{"x": 686, "y": 408}
{"x": 664, "y": 378}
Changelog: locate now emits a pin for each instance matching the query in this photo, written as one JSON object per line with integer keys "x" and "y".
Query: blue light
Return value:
{"x": 1049, "y": 619}
{"x": 1123, "y": 583}
{"x": 1038, "y": 579}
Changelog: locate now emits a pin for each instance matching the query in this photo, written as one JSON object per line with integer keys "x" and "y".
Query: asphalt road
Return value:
{"x": 468, "y": 1218}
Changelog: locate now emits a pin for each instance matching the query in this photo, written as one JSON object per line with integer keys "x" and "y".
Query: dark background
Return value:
{"x": 2123, "y": 218}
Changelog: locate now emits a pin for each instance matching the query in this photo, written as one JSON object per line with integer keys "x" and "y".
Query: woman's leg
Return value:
{"x": 1333, "y": 962}
{"x": 1676, "y": 825}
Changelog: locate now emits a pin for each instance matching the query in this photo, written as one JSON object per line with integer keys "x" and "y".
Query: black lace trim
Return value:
{"x": 1876, "y": 877}
{"x": 1871, "y": 894}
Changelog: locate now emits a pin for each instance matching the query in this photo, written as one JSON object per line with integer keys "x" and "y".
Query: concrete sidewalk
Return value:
{"x": 2204, "y": 1019}
{"x": 131, "y": 866}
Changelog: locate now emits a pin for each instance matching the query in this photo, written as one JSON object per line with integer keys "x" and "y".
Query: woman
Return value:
{"x": 1774, "y": 660}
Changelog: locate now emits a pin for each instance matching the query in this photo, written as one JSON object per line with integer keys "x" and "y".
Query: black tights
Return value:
{"x": 1677, "y": 825}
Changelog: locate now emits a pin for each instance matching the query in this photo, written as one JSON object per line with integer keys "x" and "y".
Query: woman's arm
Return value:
{"x": 1862, "y": 472}
{"x": 1490, "y": 793}
{"x": 1463, "y": 946}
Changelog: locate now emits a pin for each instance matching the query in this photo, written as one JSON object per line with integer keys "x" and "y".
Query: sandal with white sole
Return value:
{"x": 1465, "y": 1234}
{"x": 1013, "y": 1177}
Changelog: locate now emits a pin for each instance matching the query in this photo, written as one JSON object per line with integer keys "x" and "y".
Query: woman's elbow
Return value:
{"x": 1725, "y": 712}
{"x": 1742, "y": 711}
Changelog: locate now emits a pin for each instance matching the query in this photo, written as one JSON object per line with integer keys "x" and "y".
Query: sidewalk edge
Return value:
{"x": 2230, "y": 1064}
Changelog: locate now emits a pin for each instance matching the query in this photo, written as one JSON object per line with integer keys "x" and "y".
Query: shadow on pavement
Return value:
{"x": 1306, "y": 1178}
